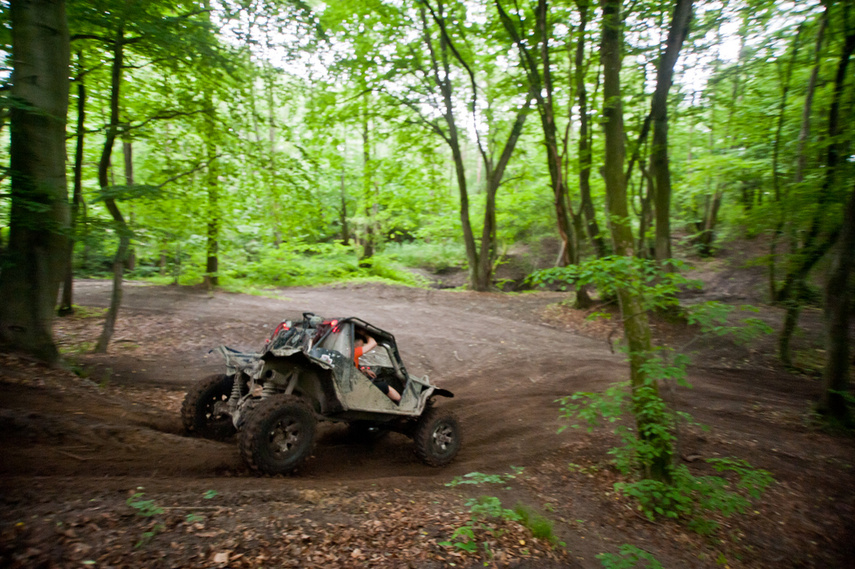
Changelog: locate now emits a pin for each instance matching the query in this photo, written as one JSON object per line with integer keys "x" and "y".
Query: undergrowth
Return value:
{"x": 474, "y": 535}
{"x": 257, "y": 267}
{"x": 648, "y": 425}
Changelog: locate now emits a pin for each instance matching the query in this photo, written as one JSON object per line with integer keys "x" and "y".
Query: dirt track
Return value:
{"x": 504, "y": 366}
{"x": 504, "y": 363}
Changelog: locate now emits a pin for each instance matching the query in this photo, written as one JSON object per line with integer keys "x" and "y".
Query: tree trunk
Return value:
{"x": 36, "y": 256}
{"x": 660, "y": 169}
{"x": 128, "y": 154}
{"x": 538, "y": 70}
{"x": 706, "y": 236}
{"x": 553, "y": 154}
{"x": 815, "y": 247}
{"x": 587, "y": 205}
{"x": 495, "y": 173}
{"x": 837, "y": 310}
{"x": 635, "y": 323}
{"x": 804, "y": 129}
{"x": 645, "y": 221}
{"x": 801, "y": 158}
{"x": 367, "y": 194}
{"x": 480, "y": 259}
{"x": 66, "y": 305}
{"x": 212, "y": 183}
{"x": 345, "y": 231}
{"x": 442, "y": 78}
{"x": 793, "y": 308}
{"x": 121, "y": 227}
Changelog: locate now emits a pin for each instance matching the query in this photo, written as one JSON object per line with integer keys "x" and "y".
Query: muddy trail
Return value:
{"x": 77, "y": 450}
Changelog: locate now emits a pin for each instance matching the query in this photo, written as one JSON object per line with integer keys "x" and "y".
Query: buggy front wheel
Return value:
{"x": 437, "y": 437}
{"x": 278, "y": 435}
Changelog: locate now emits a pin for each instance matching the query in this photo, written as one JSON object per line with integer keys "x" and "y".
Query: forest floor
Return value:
{"x": 96, "y": 471}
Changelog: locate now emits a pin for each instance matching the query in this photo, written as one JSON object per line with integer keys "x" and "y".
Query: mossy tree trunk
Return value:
{"x": 635, "y": 322}
{"x": 34, "y": 262}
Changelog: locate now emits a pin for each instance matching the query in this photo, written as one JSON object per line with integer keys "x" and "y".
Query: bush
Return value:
{"x": 435, "y": 256}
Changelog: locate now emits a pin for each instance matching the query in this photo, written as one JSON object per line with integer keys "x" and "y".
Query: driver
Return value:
{"x": 365, "y": 343}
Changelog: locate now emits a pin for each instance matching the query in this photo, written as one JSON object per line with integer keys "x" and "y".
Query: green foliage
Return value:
{"x": 540, "y": 526}
{"x": 149, "y": 509}
{"x": 643, "y": 277}
{"x": 283, "y": 152}
{"x": 719, "y": 319}
{"x": 629, "y": 557}
{"x": 435, "y": 256}
{"x": 307, "y": 265}
{"x": 466, "y": 539}
{"x": 123, "y": 193}
{"x": 486, "y": 508}
{"x": 480, "y": 509}
{"x": 609, "y": 406}
{"x": 684, "y": 495}
{"x": 693, "y": 497}
{"x": 146, "y": 509}
{"x": 652, "y": 434}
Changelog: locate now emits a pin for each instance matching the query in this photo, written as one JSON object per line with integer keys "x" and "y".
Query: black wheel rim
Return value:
{"x": 443, "y": 439}
{"x": 285, "y": 438}
{"x": 216, "y": 411}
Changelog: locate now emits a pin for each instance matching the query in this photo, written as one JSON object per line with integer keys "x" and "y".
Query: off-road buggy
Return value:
{"x": 306, "y": 373}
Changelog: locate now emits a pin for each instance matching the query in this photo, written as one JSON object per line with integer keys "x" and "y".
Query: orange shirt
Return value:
{"x": 357, "y": 353}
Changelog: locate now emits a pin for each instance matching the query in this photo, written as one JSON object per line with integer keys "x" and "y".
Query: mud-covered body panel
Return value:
{"x": 314, "y": 359}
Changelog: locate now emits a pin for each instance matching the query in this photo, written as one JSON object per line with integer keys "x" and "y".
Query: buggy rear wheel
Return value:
{"x": 437, "y": 437}
{"x": 205, "y": 411}
{"x": 278, "y": 435}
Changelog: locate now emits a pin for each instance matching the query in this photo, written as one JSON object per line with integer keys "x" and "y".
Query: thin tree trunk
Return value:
{"x": 128, "y": 154}
{"x": 367, "y": 193}
{"x": 342, "y": 214}
{"x": 660, "y": 168}
{"x": 776, "y": 145}
{"x": 495, "y": 173}
{"x": 814, "y": 247}
{"x": 36, "y": 256}
{"x": 66, "y": 305}
{"x": 587, "y": 205}
{"x": 563, "y": 212}
{"x": 804, "y": 133}
{"x": 442, "y": 78}
{"x": 833, "y": 402}
{"x": 121, "y": 227}
{"x": 212, "y": 183}
{"x": 272, "y": 181}
{"x": 538, "y": 70}
{"x": 804, "y": 129}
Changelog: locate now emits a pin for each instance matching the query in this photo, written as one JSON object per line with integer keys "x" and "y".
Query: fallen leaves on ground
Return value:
{"x": 375, "y": 528}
